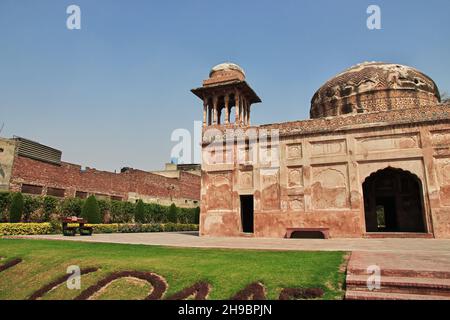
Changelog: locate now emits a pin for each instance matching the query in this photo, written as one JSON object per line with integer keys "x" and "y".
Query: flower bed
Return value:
{"x": 17, "y": 229}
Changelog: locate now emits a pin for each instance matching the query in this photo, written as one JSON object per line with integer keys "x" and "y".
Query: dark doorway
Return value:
{"x": 386, "y": 214}
{"x": 393, "y": 202}
{"x": 247, "y": 214}
{"x": 307, "y": 235}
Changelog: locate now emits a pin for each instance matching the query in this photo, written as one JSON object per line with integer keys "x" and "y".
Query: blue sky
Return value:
{"x": 110, "y": 95}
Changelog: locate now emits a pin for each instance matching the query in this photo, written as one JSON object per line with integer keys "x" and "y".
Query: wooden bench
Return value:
{"x": 72, "y": 231}
{"x": 307, "y": 233}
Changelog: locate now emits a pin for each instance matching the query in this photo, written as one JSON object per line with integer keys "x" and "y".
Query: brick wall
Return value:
{"x": 72, "y": 178}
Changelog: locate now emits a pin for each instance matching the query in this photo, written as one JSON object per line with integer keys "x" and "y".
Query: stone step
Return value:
{"x": 368, "y": 295}
{"x": 424, "y": 286}
{"x": 403, "y": 273}
{"x": 399, "y": 235}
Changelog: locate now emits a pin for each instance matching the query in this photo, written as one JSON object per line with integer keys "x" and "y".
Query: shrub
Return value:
{"x": 155, "y": 213}
{"x": 16, "y": 209}
{"x": 139, "y": 212}
{"x": 40, "y": 209}
{"x": 173, "y": 227}
{"x": 31, "y": 205}
{"x": 104, "y": 206}
{"x": 56, "y": 225}
{"x": 91, "y": 211}
{"x": 189, "y": 215}
{"x": 129, "y": 228}
{"x": 105, "y": 228}
{"x": 5, "y": 201}
{"x": 156, "y": 227}
{"x": 71, "y": 207}
{"x": 152, "y": 227}
{"x": 11, "y": 229}
{"x": 121, "y": 212}
{"x": 172, "y": 214}
{"x": 49, "y": 205}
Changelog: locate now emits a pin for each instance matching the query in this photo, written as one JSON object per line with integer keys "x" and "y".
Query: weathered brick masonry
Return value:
{"x": 70, "y": 180}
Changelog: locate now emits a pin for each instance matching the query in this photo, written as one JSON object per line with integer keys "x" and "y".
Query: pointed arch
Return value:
{"x": 393, "y": 201}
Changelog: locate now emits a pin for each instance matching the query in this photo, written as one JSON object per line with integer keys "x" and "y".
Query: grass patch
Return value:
{"x": 226, "y": 270}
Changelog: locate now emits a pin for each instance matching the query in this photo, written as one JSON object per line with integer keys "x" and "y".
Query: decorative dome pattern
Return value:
{"x": 226, "y": 66}
{"x": 374, "y": 86}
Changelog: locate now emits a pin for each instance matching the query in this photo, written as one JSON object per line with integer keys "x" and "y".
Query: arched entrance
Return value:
{"x": 393, "y": 202}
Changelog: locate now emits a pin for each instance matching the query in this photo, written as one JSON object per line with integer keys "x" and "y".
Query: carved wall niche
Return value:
{"x": 269, "y": 156}
{"x": 333, "y": 147}
{"x": 443, "y": 171}
{"x": 295, "y": 177}
{"x": 270, "y": 189}
{"x": 385, "y": 143}
{"x": 440, "y": 138}
{"x": 219, "y": 193}
{"x": 330, "y": 187}
{"x": 297, "y": 203}
{"x": 246, "y": 179}
{"x": 294, "y": 151}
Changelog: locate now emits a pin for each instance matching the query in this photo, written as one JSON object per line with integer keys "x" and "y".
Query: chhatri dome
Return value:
{"x": 372, "y": 87}
{"x": 225, "y": 89}
{"x": 226, "y": 67}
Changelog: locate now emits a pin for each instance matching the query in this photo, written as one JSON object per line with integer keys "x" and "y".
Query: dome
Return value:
{"x": 227, "y": 67}
{"x": 372, "y": 87}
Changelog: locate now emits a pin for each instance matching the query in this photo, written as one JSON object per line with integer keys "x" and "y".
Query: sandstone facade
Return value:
{"x": 378, "y": 168}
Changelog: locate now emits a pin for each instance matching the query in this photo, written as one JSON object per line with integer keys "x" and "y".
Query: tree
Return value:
{"x": 16, "y": 209}
{"x": 91, "y": 211}
{"x": 139, "y": 212}
{"x": 172, "y": 214}
{"x": 49, "y": 205}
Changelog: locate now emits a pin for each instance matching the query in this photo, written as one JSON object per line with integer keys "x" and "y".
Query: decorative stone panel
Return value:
{"x": 330, "y": 187}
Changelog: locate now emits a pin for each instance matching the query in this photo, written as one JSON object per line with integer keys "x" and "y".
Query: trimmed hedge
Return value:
{"x": 16, "y": 229}
{"x": 91, "y": 211}
{"x": 17, "y": 208}
{"x": 139, "y": 212}
{"x": 173, "y": 213}
{"x": 104, "y": 228}
{"x": 46, "y": 208}
{"x": 142, "y": 228}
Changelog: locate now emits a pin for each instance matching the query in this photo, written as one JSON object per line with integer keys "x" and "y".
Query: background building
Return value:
{"x": 373, "y": 160}
{"x": 36, "y": 169}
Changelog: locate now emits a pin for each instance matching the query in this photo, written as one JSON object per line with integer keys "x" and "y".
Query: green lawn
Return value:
{"x": 227, "y": 271}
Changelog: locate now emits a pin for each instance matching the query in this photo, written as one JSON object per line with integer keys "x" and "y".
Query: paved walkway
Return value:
{"x": 190, "y": 239}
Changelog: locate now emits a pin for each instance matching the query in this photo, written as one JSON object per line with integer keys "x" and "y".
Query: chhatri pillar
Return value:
{"x": 226, "y": 80}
